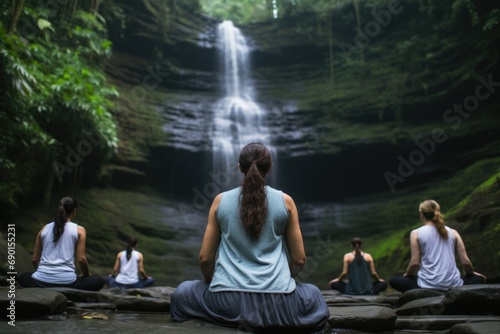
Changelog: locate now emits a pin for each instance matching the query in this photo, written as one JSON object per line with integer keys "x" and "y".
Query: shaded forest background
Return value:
{"x": 72, "y": 124}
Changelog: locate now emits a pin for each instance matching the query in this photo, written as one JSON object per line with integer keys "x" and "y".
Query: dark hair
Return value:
{"x": 356, "y": 244}
{"x": 255, "y": 162}
{"x": 131, "y": 243}
{"x": 431, "y": 211}
{"x": 66, "y": 207}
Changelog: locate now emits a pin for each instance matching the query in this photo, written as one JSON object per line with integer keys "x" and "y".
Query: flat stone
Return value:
{"x": 95, "y": 306}
{"x": 32, "y": 303}
{"x": 440, "y": 322}
{"x": 367, "y": 318}
{"x": 411, "y": 295}
{"x": 423, "y": 306}
{"x": 83, "y": 296}
{"x": 132, "y": 303}
{"x": 334, "y": 299}
{"x": 489, "y": 327}
{"x": 161, "y": 292}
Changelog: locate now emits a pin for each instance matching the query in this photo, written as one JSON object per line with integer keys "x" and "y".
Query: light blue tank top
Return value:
{"x": 438, "y": 269}
{"x": 57, "y": 263}
{"x": 129, "y": 269}
{"x": 245, "y": 265}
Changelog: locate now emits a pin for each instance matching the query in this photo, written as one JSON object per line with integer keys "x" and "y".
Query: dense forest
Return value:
{"x": 69, "y": 125}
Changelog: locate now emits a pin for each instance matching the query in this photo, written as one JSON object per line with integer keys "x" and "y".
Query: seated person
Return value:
{"x": 129, "y": 266}
{"x": 433, "y": 249}
{"x": 360, "y": 269}
{"x": 56, "y": 246}
{"x": 251, "y": 251}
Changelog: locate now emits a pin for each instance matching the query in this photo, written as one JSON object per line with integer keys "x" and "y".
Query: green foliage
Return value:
{"x": 240, "y": 11}
{"x": 53, "y": 88}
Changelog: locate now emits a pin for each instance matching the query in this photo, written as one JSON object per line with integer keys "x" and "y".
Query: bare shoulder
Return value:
{"x": 348, "y": 256}
{"x": 368, "y": 257}
{"x": 288, "y": 201}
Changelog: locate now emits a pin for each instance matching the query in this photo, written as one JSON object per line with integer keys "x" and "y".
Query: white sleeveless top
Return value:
{"x": 57, "y": 263}
{"x": 129, "y": 269}
{"x": 438, "y": 269}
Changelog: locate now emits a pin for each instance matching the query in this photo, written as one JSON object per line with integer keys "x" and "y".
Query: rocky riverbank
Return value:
{"x": 468, "y": 309}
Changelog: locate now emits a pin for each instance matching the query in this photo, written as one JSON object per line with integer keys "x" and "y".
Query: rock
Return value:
{"x": 464, "y": 300}
{"x": 417, "y": 294}
{"x": 161, "y": 292}
{"x": 435, "y": 323}
{"x": 95, "y": 306}
{"x": 82, "y": 296}
{"x": 131, "y": 303}
{"x": 489, "y": 327}
{"x": 367, "y": 318}
{"x": 332, "y": 298}
{"x": 423, "y": 306}
{"x": 32, "y": 302}
{"x": 473, "y": 299}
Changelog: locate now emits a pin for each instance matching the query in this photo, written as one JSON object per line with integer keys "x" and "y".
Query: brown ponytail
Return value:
{"x": 66, "y": 207}
{"x": 356, "y": 244}
{"x": 255, "y": 162}
{"x": 132, "y": 242}
{"x": 432, "y": 212}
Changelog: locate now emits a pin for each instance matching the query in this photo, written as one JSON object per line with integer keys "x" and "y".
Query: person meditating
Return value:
{"x": 249, "y": 280}
{"x": 56, "y": 246}
{"x": 360, "y": 269}
{"x": 433, "y": 248}
{"x": 129, "y": 266}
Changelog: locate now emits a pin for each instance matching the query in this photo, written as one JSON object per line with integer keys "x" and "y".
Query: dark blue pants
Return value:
{"x": 89, "y": 283}
{"x": 142, "y": 283}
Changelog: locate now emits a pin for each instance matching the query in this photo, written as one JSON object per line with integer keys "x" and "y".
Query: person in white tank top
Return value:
{"x": 57, "y": 246}
{"x": 433, "y": 248}
{"x": 128, "y": 269}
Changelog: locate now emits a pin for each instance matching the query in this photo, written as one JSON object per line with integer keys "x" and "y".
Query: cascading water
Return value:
{"x": 237, "y": 119}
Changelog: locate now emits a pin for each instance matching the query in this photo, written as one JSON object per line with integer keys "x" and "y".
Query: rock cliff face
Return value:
{"x": 336, "y": 121}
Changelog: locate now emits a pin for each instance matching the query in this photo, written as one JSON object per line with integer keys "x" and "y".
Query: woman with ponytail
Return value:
{"x": 251, "y": 251}
{"x": 433, "y": 249}
{"x": 56, "y": 247}
{"x": 128, "y": 269}
{"x": 360, "y": 269}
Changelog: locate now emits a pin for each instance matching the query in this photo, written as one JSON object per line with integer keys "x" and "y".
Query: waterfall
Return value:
{"x": 237, "y": 119}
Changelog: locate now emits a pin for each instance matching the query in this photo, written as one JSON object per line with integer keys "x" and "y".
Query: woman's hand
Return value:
{"x": 333, "y": 281}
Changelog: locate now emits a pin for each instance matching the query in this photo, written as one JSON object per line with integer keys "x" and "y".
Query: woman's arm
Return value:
{"x": 210, "y": 244}
{"x": 80, "y": 251}
{"x": 415, "y": 254}
{"x": 116, "y": 267}
{"x": 462, "y": 255}
{"x": 293, "y": 238}
{"x": 141, "y": 266}
{"x": 369, "y": 259}
{"x": 37, "y": 251}
{"x": 345, "y": 269}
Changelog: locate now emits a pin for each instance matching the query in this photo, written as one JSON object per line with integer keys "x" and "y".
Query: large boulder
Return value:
{"x": 490, "y": 327}
{"x": 366, "y": 318}
{"x": 31, "y": 302}
{"x": 134, "y": 303}
{"x": 439, "y": 322}
{"x": 464, "y": 300}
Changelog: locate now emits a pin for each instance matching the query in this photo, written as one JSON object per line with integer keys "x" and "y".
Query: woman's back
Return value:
{"x": 438, "y": 269}
{"x": 129, "y": 268}
{"x": 360, "y": 280}
{"x": 245, "y": 264}
{"x": 57, "y": 259}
